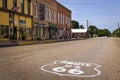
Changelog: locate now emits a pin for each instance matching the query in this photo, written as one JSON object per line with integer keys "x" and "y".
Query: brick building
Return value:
{"x": 44, "y": 20}
{"x": 63, "y": 21}
{"x": 50, "y": 18}
{"x": 15, "y": 19}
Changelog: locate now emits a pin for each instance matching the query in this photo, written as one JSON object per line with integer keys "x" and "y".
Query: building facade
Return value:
{"x": 63, "y": 21}
{"x": 16, "y": 19}
{"x": 34, "y": 19}
{"x": 44, "y": 19}
{"x": 51, "y": 20}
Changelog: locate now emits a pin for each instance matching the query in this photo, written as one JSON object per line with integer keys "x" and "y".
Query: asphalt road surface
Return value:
{"x": 90, "y": 59}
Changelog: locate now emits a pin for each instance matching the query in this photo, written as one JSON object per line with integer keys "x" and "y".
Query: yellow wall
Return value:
{"x": 22, "y": 18}
{"x": 31, "y": 7}
{"x": 19, "y": 5}
{"x": 4, "y": 18}
{"x": 16, "y": 18}
{"x": 28, "y": 23}
{"x": 25, "y": 7}
{"x": 9, "y": 4}
{"x": 0, "y": 3}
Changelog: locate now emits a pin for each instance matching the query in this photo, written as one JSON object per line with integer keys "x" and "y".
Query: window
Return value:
{"x": 14, "y": 3}
{"x": 28, "y": 32}
{"x": 46, "y": 14}
{"x": 4, "y": 3}
{"x": 35, "y": 9}
{"x": 4, "y": 31}
{"x": 42, "y": 9}
{"x": 63, "y": 19}
{"x": 49, "y": 14}
{"x": 22, "y": 6}
{"x": 28, "y": 6}
{"x": 59, "y": 18}
{"x": 54, "y": 16}
{"x": 68, "y": 21}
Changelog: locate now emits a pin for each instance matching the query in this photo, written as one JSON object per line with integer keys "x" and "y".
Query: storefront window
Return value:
{"x": 22, "y": 33}
{"x": 28, "y": 32}
{"x": 4, "y": 31}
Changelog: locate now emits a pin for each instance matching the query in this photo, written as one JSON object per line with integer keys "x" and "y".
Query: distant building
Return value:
{"x": 79, "y": 33}
{"x": 15, "y": 19}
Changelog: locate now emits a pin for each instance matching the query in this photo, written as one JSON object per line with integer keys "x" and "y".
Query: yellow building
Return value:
{"x": 16, "y": 19}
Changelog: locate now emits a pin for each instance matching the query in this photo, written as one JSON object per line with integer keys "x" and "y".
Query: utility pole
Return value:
{"x": 87, "y": 24}
{"x": 88, "y": 34}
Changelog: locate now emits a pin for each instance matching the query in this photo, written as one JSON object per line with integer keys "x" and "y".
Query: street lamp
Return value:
{"x": 13, "y": 36}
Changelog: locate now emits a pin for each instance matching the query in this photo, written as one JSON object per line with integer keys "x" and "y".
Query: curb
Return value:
{"x": 33, "y": 43}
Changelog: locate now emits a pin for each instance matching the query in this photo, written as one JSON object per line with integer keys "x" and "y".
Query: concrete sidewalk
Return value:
{"x": 29, "y": 42}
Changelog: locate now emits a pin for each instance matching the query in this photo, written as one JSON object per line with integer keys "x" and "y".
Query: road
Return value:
{"x": 90, "y": 59}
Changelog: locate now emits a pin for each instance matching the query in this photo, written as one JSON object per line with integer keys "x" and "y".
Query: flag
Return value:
{"x": 15, "y": 9}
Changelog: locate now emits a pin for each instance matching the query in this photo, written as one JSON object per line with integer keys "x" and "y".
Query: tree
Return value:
{"x": 93, "y": 30}
{"x": 81, "y": 27}
{"x": 115, "y": 32}
{"x": 75, "y": 24}
{"x": 103, "y": 32}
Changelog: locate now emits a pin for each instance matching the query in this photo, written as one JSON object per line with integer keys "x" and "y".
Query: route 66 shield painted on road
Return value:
{"x": 72, "y": 68}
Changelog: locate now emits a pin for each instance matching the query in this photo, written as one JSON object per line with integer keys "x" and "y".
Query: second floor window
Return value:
{"x": 4, "y": 3}
{"x": 46, "y": 14}
{"x": 28, "y": 6}
{"x": 54, "y": 16}
{"x": 22, "y": 6}
{"x": 14, "y": 3}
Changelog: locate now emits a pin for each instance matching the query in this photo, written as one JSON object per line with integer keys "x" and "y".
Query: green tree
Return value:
{"x": 116, "y": 32}
{"x": 93, "y": 30}
{"x": 81, "y": 27}
{"x": 103, "y": 32}
{"x": 75, "y": 24}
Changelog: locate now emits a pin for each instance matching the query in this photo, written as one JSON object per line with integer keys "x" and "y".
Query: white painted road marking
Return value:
{"x": 72, "y": 68}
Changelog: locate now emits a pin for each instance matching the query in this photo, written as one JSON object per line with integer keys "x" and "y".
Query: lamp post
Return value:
{"x": 13, "y": 36}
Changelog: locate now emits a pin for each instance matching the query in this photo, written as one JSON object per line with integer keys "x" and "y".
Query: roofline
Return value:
{"x": 63, "y": 6}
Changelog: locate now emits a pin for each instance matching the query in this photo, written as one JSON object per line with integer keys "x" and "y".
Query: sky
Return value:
{"x": 104, "y": 14}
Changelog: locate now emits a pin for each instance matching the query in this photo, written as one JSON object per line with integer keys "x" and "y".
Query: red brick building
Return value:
{"x": 49, "y": 19}
{"x": 64, "y": 20}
